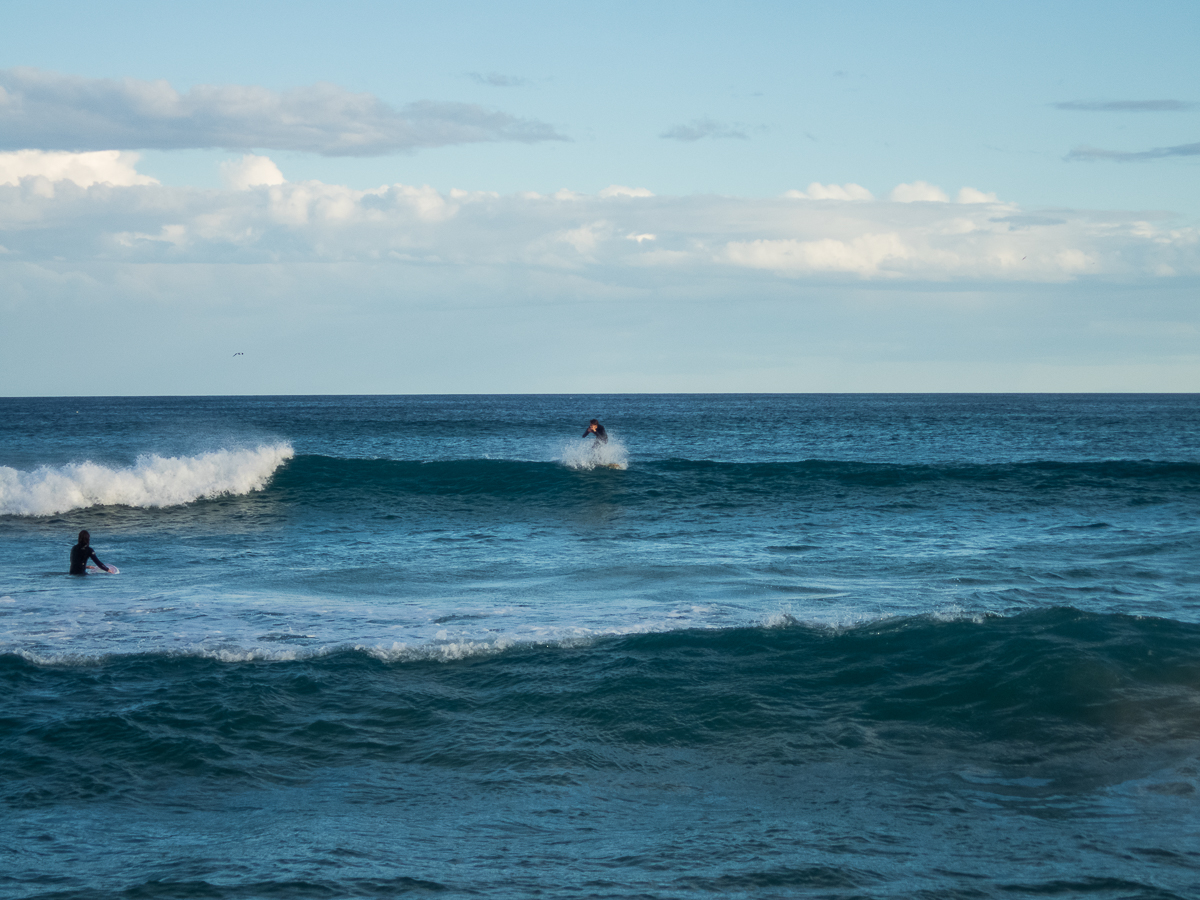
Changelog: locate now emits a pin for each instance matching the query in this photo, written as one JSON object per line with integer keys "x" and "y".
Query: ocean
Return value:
{"x": 837, "y": 646}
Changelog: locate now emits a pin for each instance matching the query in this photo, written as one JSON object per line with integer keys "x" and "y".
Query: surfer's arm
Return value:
{"x": 97, "y": 559}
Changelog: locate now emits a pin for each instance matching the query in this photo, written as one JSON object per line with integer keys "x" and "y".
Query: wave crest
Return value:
{"x": 154, "y": 481}
{"x": 588, "y": 454}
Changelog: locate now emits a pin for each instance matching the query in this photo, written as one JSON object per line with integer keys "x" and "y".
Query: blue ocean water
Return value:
{"x": 760, "y": 646}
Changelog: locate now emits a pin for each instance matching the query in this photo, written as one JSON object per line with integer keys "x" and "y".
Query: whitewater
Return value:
{"x": 152, "y": 481}
{"x": 755, "y": 645}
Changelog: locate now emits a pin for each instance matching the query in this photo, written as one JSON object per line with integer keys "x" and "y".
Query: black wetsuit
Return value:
{"x": 80, "y": 554}
{"x": 600, "y": 433}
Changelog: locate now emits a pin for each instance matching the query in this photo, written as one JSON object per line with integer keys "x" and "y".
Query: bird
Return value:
{"x": 239, "y": 354}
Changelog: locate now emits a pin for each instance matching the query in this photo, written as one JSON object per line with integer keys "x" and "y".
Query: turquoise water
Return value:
{"x": 836, "y": 646}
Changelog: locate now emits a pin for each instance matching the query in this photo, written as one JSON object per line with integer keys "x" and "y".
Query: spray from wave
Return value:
{"x": 588, "y": 454}
{"x": 154, "y": 481}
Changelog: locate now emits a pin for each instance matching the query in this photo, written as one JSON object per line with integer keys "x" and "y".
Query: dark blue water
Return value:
{"x": 759, "y": 646}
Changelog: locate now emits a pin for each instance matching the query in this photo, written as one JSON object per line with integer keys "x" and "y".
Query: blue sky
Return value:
{"x": 385, "y": 197}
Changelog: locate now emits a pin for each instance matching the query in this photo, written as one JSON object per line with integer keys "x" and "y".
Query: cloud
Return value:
{"x": 619, "y": 190}
{"x": 1089, "y": 154}
{"x": 818, "y": 191}
{"x": 970, "y": 195}
{"x": 1126, "y": 105}
{"x": 1020, "y": 221}
{"x": 599, "y": 239}
{"x": 250, "y": 171}
{"x": 49, "y": 110}
{"x": 698, "y": 129}
{"x": 495, "y": 79}
{"x": 84, "y": 169}
{"x": 863, "y": 255}
{"x": 918, "y": 192}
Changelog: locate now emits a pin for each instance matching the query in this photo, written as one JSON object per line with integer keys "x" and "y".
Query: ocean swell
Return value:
{"x": 1039, "y": 694}
{"x": 153, "y": 481}
{"x": 685, "y": 481}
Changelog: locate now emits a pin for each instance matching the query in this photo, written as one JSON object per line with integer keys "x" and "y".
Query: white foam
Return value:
{"x": 589, "y": 453}
{"x": 955, "y": 613}
{"x": 454, "y": 648}
{"x": 154, "y": 481}
{"x": 446, "y": 652}
{"x": 779, "y": 620}
{"x": 840, "y": 619}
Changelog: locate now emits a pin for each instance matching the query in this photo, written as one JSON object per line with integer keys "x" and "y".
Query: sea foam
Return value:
{"x": 589, "y": 453}
{"x": 154, "y": 481}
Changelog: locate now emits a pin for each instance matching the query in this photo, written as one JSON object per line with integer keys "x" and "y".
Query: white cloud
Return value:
{"x": 903, "y": 193}
{"x": 818, "y": 191}
{"x": 604, "y": 239}
{"x": 250, "y": 171}
{"x": 175, "y": 235}
{"x": 619, "y": 190}
{"x": 862, "y": 255}
{"x": 64, "y": 112}
{"x": 918, "y": 192}
{"x": 970, "y": 195}
{"x": 84, "y": 169}
{"x": 586, "y": 238}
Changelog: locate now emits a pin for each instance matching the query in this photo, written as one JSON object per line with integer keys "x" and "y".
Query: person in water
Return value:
{"x": 597, "y": 429}
{"x": 81, "y": 553}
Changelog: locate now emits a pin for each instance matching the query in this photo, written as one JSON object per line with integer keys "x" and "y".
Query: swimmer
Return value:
{"x": 81, "y": 553}
{"x": 597, "y": 429}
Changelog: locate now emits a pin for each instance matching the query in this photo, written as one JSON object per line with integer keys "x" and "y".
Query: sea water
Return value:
{"x": 757, "y": 646}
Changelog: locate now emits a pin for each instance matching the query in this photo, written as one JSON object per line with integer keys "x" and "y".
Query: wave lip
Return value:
{"x": 153, "y": 481}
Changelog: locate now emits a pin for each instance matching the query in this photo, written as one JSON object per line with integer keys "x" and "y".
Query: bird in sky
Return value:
{"x": 239, "y": 354}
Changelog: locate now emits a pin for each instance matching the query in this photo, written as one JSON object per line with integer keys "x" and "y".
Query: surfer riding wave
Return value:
{"x": 597, "y": 429}
{"x": 598, "y": 452}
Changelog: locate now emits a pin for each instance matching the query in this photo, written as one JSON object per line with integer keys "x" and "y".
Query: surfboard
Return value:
{"x": 112, "y": 570}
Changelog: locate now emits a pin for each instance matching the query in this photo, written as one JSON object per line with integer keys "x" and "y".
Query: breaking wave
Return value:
{"x": 153, "y": 481}
{"x": 588, "y": 454}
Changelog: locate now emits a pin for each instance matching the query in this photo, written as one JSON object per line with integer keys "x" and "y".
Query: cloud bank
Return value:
{"x": 49, "y": 110}
{"x": 622, "y": 235}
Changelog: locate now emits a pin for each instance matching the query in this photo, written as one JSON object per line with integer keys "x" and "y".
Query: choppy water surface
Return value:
{"x": 836, "y": 646}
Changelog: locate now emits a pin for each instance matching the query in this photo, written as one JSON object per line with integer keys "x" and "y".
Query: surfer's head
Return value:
{"x": 84, "y": 538}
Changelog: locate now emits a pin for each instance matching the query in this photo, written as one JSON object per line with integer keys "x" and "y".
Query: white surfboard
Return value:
{"x": 112, "y": 570}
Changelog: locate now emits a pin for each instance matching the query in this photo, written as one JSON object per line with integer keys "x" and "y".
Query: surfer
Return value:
{"x": 597, "y": 429}
{"x": 81, "y": 553}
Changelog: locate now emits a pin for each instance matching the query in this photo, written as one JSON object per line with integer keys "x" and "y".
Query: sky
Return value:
{"x": 370, "y": 197}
